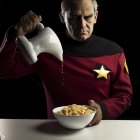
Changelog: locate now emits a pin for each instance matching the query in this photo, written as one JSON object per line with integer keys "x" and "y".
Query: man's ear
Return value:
{"x": 61, "y": 17}
{"x": 96, "y": 16}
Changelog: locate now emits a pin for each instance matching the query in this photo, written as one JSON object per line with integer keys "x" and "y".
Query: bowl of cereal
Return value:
{"x": 74, "y": 116}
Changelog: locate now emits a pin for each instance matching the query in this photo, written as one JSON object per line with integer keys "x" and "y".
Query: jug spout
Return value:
{"x": 45, "y": 41}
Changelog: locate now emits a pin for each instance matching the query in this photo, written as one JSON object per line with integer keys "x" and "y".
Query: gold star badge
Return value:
{"x": 102, "y": 72}
{"x": 126, "y": 67}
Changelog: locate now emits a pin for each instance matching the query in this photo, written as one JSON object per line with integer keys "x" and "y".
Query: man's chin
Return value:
{"x": 82, "y": 38}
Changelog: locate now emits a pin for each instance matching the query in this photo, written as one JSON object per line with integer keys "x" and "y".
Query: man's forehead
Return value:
{"x": 80, "y": 11}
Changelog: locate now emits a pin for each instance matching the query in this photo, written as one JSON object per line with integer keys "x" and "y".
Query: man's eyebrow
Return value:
{"x": 89, "y": 15}
{"x": 73, "y": 14}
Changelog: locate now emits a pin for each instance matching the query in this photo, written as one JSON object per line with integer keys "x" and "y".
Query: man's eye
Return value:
{"x": 87, "y": 17}
{"x": 72, "y": 19}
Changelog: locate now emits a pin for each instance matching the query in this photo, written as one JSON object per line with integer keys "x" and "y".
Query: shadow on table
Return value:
{"x": 54, "y": 128}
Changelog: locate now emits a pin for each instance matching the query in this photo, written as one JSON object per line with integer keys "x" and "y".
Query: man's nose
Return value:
{"x": 82, "y": 22}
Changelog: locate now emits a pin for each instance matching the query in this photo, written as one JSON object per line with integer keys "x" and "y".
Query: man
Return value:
{"x": 94, "y": 69}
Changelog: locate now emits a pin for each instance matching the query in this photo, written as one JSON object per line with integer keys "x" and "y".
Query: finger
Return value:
{"x": 93, "y": 103}
{"x": 40, "y": 18}
{"x": 98, "y": 116}
{"x": 96, "y": 120}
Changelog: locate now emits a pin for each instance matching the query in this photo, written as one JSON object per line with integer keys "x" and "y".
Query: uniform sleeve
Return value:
{"x": 12, "y": 63}
{"x": 120, "y": 94}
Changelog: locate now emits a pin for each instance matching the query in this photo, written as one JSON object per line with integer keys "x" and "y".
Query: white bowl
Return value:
{"x": 73, "y": 122}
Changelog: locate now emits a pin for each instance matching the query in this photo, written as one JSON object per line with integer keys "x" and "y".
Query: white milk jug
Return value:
{"x": 45, "y": 41}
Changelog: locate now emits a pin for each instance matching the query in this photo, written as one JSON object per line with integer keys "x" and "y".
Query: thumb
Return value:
{"x": 93, "y": 103}
{"x": 40, "y": 18}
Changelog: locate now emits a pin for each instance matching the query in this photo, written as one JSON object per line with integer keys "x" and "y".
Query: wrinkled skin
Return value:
{"x": 79, "y": 18}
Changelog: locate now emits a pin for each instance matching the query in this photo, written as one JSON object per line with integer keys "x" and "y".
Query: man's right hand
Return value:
{"x": 27, "y": 23}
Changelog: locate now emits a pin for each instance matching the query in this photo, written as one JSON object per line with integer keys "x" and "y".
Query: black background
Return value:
{"x": 117, "y": 21}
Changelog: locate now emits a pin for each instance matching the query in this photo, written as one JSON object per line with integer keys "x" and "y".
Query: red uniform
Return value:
{"x": 94, "y": 69}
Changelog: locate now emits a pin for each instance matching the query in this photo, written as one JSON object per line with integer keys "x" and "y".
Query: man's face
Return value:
{"x": 79, "y": 19}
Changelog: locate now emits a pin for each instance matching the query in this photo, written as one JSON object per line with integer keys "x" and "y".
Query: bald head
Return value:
{"x": 68, "y": 4}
